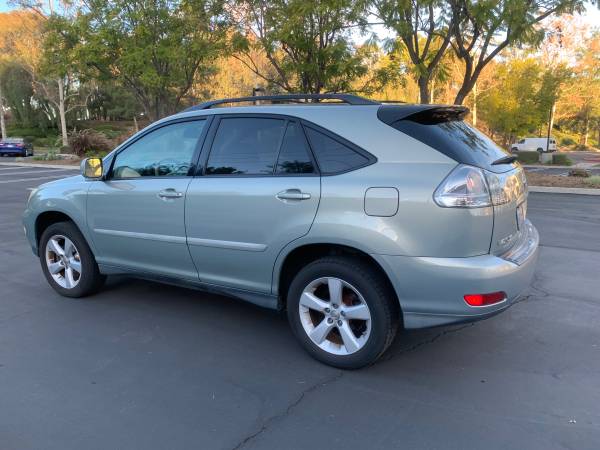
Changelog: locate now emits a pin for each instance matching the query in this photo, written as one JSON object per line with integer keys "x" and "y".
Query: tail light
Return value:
{"x": 465, "y": 187}
{"x": 472, "y": 187}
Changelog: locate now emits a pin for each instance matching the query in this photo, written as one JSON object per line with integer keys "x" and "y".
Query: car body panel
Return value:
{"x": 67, "y": 196}
{"x": 133, "y": 227}
{"x": 236, "y": 226}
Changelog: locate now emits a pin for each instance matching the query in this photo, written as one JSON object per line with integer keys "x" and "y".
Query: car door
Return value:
{"x": 259, "y": 190}
{"x": 136, "y": 215}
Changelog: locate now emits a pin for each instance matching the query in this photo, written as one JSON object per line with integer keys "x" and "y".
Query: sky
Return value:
{"x": 592, "y": 15}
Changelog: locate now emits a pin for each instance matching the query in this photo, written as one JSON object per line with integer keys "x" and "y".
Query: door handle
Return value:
{"x": 170, "y": 193}
{"x": 293, "y": 194}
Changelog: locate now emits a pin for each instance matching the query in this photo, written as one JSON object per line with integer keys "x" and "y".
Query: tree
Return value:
{"x": 157, "y": 49}
{"x": 481, "y": 30}
{"x": 306, "y": 42}
{"x": 19, "y": 41}
{"x": 520, "y": 98}
{"x": 581, "y": 102}
{"x": 57, "y": 75}
{"x": 424, "y": 28}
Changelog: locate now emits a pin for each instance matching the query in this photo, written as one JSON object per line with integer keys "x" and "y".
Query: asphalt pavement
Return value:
{"x": 147, "y": 366}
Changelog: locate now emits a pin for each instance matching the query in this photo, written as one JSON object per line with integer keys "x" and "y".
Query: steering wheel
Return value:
{"x": 170, "y": 166}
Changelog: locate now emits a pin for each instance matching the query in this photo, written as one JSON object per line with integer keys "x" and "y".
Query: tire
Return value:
{"x": 514, "y": 150}
{"x": 361, "y": 285}
{"x": 89, "y": 279}
{"x": 540, "y": 150}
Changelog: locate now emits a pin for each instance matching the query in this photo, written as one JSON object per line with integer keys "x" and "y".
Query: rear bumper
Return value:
{"x": 431, "y": 290}
{"x": 13, "y": 151}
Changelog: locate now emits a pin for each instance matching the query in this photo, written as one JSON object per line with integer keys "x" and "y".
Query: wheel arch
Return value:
{"x": 290, "y": 261}
{"x": 50, "y": 217}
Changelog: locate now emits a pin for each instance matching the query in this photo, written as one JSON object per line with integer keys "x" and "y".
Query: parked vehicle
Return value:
{"x": 357, "y": 218}
{"x": 535, "y": 145}
{"x": 15, "y": 147}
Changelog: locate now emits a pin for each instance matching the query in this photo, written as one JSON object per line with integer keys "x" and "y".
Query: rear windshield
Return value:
{"x": 453, "y": 137}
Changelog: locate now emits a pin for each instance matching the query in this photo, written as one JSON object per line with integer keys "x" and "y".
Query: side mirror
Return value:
{"x": 91, "y": 168}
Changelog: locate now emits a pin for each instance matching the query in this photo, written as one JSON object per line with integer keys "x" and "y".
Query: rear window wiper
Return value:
{"x": 505, "y": 160}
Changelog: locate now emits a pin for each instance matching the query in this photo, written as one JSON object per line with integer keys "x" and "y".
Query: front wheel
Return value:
{"x": 342, "y": 312}
{"x": 68, "y": 262}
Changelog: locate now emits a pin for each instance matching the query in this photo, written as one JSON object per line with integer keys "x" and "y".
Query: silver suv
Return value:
{"x": 354, "y": 216}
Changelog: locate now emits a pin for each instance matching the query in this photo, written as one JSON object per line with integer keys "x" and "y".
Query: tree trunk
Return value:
{"x": 586, "y": 128}
{"x": 62, "y": 113}
{"x": 462, "y": 94}
{"x": 474, "y": 112}
{"x": 423, "y": 90}
{"x": 2, "y": 123}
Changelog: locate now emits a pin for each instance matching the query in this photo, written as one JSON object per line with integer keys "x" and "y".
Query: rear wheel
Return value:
{"x": 540, "y": 150}
{"x": 68, "y": 262}
{"x": 342, "y": 312}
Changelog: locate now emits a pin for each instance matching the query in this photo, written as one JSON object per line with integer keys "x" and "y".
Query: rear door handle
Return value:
{"x": 293, "y": 194}
{"x": 170, "y": 193}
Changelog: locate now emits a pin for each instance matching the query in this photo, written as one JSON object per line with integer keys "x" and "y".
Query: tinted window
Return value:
{"x": 333, "y": 156}
{"x": 293, "y": 156}
{"x": 167, "y": 151}
{"x": 245, "y": 146}
{"x": 457, "y": 140}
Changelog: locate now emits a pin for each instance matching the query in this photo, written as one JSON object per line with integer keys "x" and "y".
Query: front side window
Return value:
{"x": 166, "y": 151}
{"x": 245, "y": 146}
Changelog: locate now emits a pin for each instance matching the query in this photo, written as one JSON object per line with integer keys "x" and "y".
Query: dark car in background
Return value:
{"x": 15, "y": 147}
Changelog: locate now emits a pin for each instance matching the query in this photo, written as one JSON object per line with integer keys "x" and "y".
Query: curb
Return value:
{"x": 563, "y": 190}
{"x": 542, "y": 166}
{"x": 49, "y": 166}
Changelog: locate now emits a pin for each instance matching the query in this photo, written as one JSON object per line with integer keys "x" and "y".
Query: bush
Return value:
{"x": 594, "y": 181}
{"x": 85, "y": 141}
{"x": 582, "y": 148}
{"x": 50, "y": 156}
{"x": 527, "y": 157}
{"x": 567, "y": 141}
{"x": 583, "y": 173}
{"x": 560, "y": 159}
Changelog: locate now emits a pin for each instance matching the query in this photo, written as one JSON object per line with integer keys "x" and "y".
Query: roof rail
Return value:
{"x": 344, "y": 98}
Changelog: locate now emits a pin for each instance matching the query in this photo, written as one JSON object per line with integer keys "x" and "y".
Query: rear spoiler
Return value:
{"x": 424, "y": 114}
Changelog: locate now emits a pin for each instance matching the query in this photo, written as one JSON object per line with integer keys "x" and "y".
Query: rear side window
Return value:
{"x": 332, "y": 155}
{"x": 294, "y": 157}
{"x": 245, "y": 146}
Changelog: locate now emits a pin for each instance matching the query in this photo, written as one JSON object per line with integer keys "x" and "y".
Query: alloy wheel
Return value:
{"x": 63, "y": 261}
{"x": 335, "y": 316}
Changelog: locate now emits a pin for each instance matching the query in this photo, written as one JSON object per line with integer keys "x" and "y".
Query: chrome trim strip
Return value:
{"x": 147, "y": 236}
{"x": 232, "y": 245}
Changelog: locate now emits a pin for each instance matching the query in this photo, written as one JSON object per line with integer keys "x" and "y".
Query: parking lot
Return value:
{"x": 148, "y": 366}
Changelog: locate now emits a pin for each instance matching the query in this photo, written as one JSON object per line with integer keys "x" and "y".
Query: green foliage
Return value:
{"x": 567, "y": 141}
{"x": 307, "y": 43}
{"x": 482, "y": 29}
{"x": 521, "y": 107}
{"x": 593, "y": 181}
{"x": 424, "y": 28}
{"x": 51, "y": 155}
{"x": 158, "y": 49}
{"x": 526, "y": 157}
{"x": 560, "y": 159}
